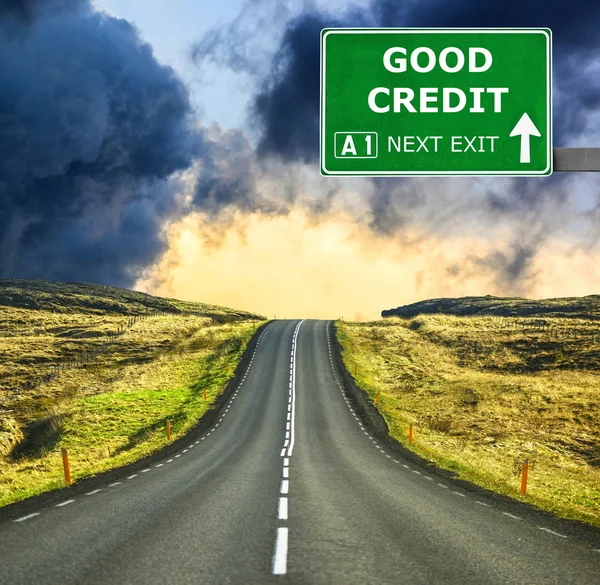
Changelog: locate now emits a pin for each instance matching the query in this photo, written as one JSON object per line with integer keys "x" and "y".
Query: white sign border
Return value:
{"x": 545, "y": 173}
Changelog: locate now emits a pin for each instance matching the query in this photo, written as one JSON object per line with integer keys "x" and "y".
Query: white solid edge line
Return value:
{"x": 280, "y": 555}
{"x": 283, "y": 509}
{"x": 27, "y": 517}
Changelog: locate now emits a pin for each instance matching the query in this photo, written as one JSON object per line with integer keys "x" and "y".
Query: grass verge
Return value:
{"x": 99, "y": 371}
{"x": 483, "y": 398}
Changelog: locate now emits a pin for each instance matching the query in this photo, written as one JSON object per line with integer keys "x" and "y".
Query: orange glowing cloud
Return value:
{"x": 293, "y": 266}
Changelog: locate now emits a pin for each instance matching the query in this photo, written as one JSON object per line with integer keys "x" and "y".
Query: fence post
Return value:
{"x": 169, "y": 431}
{"x": 410, "y": 435}
{"x": 524, "y": 477}
{"x": 66, "y": 467}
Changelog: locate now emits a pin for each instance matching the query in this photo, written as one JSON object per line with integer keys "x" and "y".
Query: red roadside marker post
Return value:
{"x": 524, "y": 473}
{"x": 66, "y": 467}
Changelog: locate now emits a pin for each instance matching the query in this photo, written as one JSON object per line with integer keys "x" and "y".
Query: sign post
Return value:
{"x": 419, "y": 102}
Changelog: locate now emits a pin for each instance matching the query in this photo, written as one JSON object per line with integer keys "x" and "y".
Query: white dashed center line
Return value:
{"x": 281, "y": 539}
{"x": 281, "y": 549}
{"x": 283, "y": 508}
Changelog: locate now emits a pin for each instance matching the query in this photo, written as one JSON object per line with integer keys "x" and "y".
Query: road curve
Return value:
{"x": 287, "y": 486}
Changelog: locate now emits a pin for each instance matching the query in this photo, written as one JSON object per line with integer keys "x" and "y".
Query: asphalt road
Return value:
{"x": 288, "y": 486}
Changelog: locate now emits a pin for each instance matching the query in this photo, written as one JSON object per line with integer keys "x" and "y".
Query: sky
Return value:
{"x": 172, "y": 27}
{"x": 172, "y": 147}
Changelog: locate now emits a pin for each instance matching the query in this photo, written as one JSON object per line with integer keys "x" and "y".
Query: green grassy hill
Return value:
{"x": 572, "y": 307}
{"x": 487, "y": 382}
{"x": 62, "y": 297}
{"x": 99, "y": 370}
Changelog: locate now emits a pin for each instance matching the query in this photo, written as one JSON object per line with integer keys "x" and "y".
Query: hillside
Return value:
{"x": 483, "y": 392}
{"x": 60, "y": 297}
{"x": 569, "y": 307}
{"x": 99, "y": 369}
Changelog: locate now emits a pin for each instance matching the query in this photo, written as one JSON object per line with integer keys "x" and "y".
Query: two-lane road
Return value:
{"x": 287, "y": 486}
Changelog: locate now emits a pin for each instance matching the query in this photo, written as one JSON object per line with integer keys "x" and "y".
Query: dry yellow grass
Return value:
{"x": 483, "y": 394}
{"x": 110, "y": 406}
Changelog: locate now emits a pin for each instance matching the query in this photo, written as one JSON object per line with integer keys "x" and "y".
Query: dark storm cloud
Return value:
{"x": 28, "y": 10}
{"x": 91, "y": 125}
{"x": 286, "y": 108}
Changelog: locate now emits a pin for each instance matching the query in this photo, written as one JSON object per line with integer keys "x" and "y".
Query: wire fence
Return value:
{"x": 84, "y": 358}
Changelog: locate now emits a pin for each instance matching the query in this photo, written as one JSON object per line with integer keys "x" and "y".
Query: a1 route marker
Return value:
{"x": 436, "y": 102}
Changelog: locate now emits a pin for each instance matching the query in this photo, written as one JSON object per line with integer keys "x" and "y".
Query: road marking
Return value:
{"x": 184, "y": 451}
{"x": 293, "y": 380}
{"x": 459, "y": 494}
{"x": 283, "y": 508}
{"x": 286, "y": 461}
{"x": 551, "y": 532}
{"x": 482, "y": 504}
{"x": 285, "y": 486}
{"x": 170, "y": 460}
{"x": 145, "y": 470}
{"x": 280, "y": 556}
{"x": 287, "y": 426}
{"x": 286, "y": 472}
{"x": 406, "y": 466}
{"x": 178, "y": 455}
{"x": 287, "y": 435}
{"x": 443, "y": 486}
{"x": 159, "y": 465}
{"x": 511, "y": 515}
{"x": 93, "y": 492}
{"x": 417, "y": 472}
{"x": 133, "y": 476}
{"x": 283, "y": 451}
{"x": 427, "y": 477}
{"x": 115, "y": 484}
{"x": 27, "y": 517}
{"x": 65, "y": 503}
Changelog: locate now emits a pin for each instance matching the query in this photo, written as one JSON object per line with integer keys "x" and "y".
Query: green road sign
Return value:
{"x": 436, "y": 102}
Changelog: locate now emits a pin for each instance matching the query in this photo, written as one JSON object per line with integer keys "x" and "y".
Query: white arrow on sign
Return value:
{"x": 525, "y": 128}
